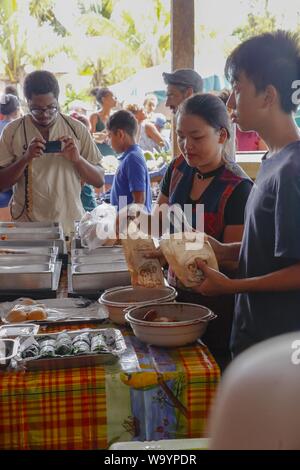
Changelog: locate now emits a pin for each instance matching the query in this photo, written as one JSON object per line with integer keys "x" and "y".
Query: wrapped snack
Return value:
{"x": 85, "y": 337}
{"x": 47, "y": 347}
{"x": 81, "y": 347}
{"x": 63, "y": 346}
{"x": 36, "y": 313}
{"x": 30, "y": 348}
{"x": 181, "y": 251}
{"x": 98, "y": 344}
{"x": 17, "y": 314}
{"x": 26, "y": 301}
{"x": 144, "y": 272}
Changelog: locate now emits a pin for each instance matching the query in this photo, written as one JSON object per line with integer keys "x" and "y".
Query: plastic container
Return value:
{"x": 118, "y": 299}
{"x": 190, "y": 323}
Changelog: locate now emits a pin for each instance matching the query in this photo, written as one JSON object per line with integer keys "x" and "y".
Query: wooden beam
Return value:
{"x": 183, "y": 33}
{"x": 182, "y": 43}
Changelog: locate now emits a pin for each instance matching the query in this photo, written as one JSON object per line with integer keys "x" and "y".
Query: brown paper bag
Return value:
{"x": 181, "y": 251}
{"x": 144, "y": 272}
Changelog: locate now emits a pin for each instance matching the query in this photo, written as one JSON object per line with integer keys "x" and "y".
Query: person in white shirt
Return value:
{"x": 46, "y": 186}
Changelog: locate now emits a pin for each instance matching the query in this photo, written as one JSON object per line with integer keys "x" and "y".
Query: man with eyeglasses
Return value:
{"x": 47, "y": 185}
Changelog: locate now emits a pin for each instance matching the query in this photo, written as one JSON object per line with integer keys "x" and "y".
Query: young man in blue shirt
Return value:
{"x": 131, "y": 180}
{"x": 264, "y": 71}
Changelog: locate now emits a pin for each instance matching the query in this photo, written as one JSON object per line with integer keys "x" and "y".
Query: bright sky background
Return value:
{"x": 223, "y": 17}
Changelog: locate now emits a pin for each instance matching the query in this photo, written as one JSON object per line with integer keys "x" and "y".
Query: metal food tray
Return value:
{"x": 27, "y": 250}
{"x": 24, "y": 278}
{"x": 30, "y": 234}
{"x": 99, "y": 255}
{"x": 76, "y": 245}
{"x": 26, "y": 259}
{"x": 99, "y": 277}
{"x": 8, "y": 350}
{"x": 31, "y": 225}
{"x": 36, "y": 244}
{"x": 84, "y": 360}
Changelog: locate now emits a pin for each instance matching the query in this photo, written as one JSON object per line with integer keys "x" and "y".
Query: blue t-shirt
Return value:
{"x": 271, "y": 242}
{"x": 132, "y": 175}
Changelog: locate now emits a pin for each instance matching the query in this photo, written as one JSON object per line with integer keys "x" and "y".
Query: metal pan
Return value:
{"x": 81, "y": 280}
{"x": 33, "y": 225}
{"x": 27, "y": 250}
{"x": 26, "y": 277}
{"x": 29, "y": 259}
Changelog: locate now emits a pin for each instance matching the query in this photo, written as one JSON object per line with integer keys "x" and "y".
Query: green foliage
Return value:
{"x": 72, "y": 95}
{"x": 256, "y": 25}
{"x": 43, "y": 12}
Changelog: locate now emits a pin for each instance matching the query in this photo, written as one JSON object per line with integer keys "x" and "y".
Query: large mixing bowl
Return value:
{"x": 191, "y": 323}
{"x": 118, "y": 299}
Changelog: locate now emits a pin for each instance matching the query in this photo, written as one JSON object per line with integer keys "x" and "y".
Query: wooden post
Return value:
{"x": 182, "y": 42}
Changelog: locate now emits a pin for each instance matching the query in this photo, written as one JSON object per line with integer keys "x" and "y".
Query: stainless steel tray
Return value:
{"x": 85, "y": 360}
{"x": 23, "y": 278}
{"x": 30, "y": 225}
{"x": 99, "y": 268}
{"x": 27, "y": 259}
{"x": 18, "y": 244}
{"x": 28, "y": 250}
{"x": 29, "y": 234}
{"x": 87, "y": 278}
{"x": 97, "y": 256}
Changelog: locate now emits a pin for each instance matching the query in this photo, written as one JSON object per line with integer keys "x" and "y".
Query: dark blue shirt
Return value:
{"x": 271, "y": 242}
{"x": 132, "y": 175}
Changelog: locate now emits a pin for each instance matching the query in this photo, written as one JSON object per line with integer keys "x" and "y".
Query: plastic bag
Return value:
{"x": 144, "y": 272}
{"x": 97, "y": 228}
{"x": 181, "y": 251}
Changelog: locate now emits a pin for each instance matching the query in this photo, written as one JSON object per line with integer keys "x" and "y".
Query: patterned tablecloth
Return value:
{"x": 150, "y": 393}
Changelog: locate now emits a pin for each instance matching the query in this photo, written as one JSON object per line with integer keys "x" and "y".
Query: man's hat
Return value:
{"x": 184, "y": 77}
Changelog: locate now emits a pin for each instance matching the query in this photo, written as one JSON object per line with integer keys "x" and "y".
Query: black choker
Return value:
{"x": 210, "y": 174}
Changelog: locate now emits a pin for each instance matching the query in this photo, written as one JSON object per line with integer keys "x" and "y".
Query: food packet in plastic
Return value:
{"x": 144, "y": 271}
{"x": 181, "y": 251}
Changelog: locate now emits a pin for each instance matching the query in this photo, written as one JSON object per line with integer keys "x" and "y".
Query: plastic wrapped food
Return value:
{"x": 47, "y": 348}
{"x": 81, "y": 347}
{"x": 181, "y": 251}
{"x": 63, "y": 346}
{"x": 31, "y": 350}
{"x": 144, "y": 272}
{"x": 85, "y": 337}
{"x": 98, "y": 344}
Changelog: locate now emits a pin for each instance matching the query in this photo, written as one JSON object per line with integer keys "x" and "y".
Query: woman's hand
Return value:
{"x": 70, "y": 150}
{"x": 35, "y": 149}
{"x": 218, "y": 247}
{"x": 214, "y": 283}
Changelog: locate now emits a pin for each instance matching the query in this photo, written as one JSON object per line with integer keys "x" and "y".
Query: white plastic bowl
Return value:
{"x": 118, "y": 299}
{"x": 191, "y": 325}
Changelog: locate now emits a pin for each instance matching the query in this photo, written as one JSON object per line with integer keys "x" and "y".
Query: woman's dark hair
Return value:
{"x": 208, "y": 107}
{"x": 123, "y": 120}
{"x": 101, "y": 93}
{"x": 8, "y": 104}
{"x": 268, "y": 59}
{"x": 40, "y": 82}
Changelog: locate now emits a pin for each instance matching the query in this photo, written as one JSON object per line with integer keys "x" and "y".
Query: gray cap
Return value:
{"x": 184, "y": 77}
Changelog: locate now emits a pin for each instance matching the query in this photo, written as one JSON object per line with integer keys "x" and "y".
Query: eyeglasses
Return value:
{"x": 39, "y": 111}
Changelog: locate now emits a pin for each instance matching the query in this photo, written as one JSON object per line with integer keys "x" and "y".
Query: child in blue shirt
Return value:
{"x": 131, "y": 180}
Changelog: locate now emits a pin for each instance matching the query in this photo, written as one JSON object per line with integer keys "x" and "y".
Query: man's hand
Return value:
{"x": 35, "y": 149}
{"x": 215, "y": 283}
{"x": 70, "y": 150}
